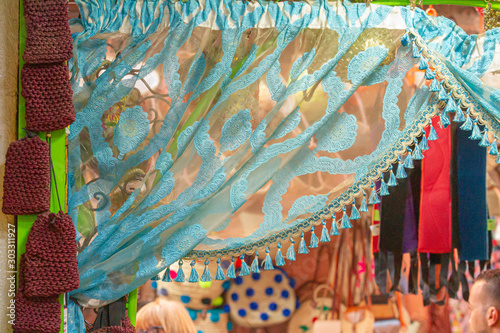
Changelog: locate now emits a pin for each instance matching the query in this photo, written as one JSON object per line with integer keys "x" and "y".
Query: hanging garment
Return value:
{"x": 435, "y": 210}
{"x": 471, "y": 207}
{"x": 393, "y": 216}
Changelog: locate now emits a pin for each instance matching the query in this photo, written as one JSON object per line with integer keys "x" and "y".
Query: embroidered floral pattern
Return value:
{"x": 236, "y": 131}
{"x": 364, "y": 63}
{"x": 132, "y": 129}
{"x": 338, "y": 133}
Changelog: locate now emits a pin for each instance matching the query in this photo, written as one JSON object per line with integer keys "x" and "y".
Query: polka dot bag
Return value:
{"x": 261, "y": 299}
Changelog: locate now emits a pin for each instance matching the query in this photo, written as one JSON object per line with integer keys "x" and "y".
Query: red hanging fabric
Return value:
{"x": 435, "y": 207}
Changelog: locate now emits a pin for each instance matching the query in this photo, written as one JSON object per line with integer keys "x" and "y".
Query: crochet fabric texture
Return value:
{"x": 49, "y": 98}
{"x": 27, "y": 176}
{"x": 48, "y": 37}
{"x": 35, "y": 314}
{"x": 51, "y": 264}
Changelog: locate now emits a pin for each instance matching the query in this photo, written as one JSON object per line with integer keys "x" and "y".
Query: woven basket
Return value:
{"x": 261, "y": 299}
{"x": 197, "y": 295}
{"x": 310, "y": 311}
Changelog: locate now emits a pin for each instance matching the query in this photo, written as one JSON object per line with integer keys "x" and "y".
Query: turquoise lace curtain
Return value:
{"x": 214, "y": 128}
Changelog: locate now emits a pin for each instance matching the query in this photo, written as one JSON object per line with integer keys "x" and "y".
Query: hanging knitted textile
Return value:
{"x": 49, "y": 99}
{"x": 48, "y": 36}
{"x": 26, "y": 179}
{"x": 51, "y": 268}
{"x": 215, "y": 129}
{"x": 35, "y": 314}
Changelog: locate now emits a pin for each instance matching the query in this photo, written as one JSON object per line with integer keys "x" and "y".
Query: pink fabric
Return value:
{"x": 435, "y": 208}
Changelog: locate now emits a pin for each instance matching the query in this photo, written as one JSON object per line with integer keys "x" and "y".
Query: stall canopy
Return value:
{"x": 209, "y": 129}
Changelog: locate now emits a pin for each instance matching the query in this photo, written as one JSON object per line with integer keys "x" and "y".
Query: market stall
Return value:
{"x": 217, "y": 140}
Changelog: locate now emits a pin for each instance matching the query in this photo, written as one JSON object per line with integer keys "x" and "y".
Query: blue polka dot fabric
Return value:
{"x": 185, "y": 299}
{"x": 250, "y": 292}
{"x": 261, "y": 299}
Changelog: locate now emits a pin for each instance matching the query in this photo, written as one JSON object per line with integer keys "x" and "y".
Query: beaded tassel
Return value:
{"x": 314, "y": 239}
{"x": 231, "y": 270}
{"x": 335, "y": 230}
{"x": 244, "y": 269}
{"x": 255, "y": 264}
{"x": 383, "y": 187}
{"x": 493, "y": 148}
{"x": 290, "y": 253}
{"x": 443, "y": 95}
{"x": 206, "y": 276}
{"x": 423, "y": 63}
{"x": 268, "y": 262}
{"x": 435, "y": 87}
{"x": 459, "y": 117}
{"x": 408, "y": 163}
{"x": 392, "y": 179}
{"x": 166, "y": 276}
{"x": 180, "y": 273}
{"x": 354, "y": 211}
{"x": 401, "y": 173}
{"x": 476, "y": 133}
{"x": 484, "y": 141}
{"x": 405, "y": 40}
{"x": 497, "y": 160}
{"x": 417, "y": 153}
{"x": 325, "y": 237}
{"x": 193, "y": 277}
{"x": 445, "y": 120}
{"x": 429, "y": 74}
{"x": 374, "y": 198}
{"x": 279, "y": 257}
{"x": 432, "y": 133}
{"x": 364, "y": 206}
{"x": 155, "y": 278}
{"x": 424, "y": 145}
{"x": 345, "y": 224}
{"x": 302, "y": 245}
{"x": 219, "y": 275}
{"x": 451, "y": 106}
{"x": 467, "y": 125}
